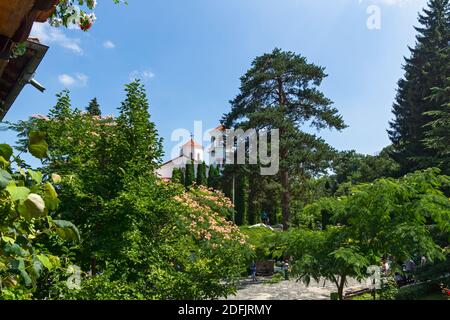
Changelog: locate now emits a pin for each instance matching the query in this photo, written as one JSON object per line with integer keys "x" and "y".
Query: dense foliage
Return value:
{"x": 281, "y": 91}
{"x": 427, "y": 69}
{"x": 385, "y": 218}
{"x": 34, "y": 242}
{"x": 142, "y": 238}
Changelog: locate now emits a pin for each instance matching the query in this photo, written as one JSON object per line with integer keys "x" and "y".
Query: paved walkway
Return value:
{"x": 289, "y": 290}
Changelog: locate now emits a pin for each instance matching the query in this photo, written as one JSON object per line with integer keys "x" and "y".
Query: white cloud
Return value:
{"x": 108, "y": 44}
{"x": 387, "y": 2}
{"x": 76, "y": 80}
{"x": 49, "y": 35}
{"x": 143, "y": 75}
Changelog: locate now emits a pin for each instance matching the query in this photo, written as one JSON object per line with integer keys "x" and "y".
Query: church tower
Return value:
{"x": 193, "y": 151}
{"x": 217, "y": 149}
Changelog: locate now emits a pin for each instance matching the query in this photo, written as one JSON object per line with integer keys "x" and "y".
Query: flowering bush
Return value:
{"x": 167, "y": 244}
{"x": 75, "y": 12}
{"x": 143, "y": 238}
{"x": 206, "y": 219}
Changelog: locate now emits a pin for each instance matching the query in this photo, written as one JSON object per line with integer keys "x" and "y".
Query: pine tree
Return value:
{"x": 241, "y": 202}
{"x": 201, "y": 175}
{"x": 190, "y": 175}
{"x": 177, "y": 176}
{"x": 438, "y": 136}
{"x": 427, "y": 68}
{"x": 94, "y": 108}
{"x": 214, "y": 177}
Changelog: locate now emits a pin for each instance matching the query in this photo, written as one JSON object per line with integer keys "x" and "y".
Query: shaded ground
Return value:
{"x": 288, "y": 290}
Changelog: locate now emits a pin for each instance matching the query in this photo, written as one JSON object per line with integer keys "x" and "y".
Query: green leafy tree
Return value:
{"x": 201, "y": 179}
{"x": 427, "y": 68}
{"x": 94, "y": 108}
{"x": 178, "y": 176}
{"x": 189, "y": 175}
{"x": 139, "y": 147}
{"x": 97, "y": 157}
{"x": 142, "y": 238}
{"x": 353, "y": 168}
{"x": 281, "y": 91}
{"x": 326, "y": 254}
{"x": 385, "y": 218}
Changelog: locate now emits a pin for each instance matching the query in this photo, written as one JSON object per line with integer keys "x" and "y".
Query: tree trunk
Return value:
{"x": 341, "y": 287}
{"x": 284, "y": 172}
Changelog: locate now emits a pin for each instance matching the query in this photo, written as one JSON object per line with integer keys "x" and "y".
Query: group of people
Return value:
{"x": 408, "y": 269}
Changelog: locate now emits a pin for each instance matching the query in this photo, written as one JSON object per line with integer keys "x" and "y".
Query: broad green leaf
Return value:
{"x": 19, "y": 265}
{"x": 51, "y": 197}
{"x": 54, "y": 260}
{"x": 34, "y": 206}
{"x": 5, "y": 178}
{"x": 37, "y": 267}
{"x": 67, "y": 230}
{"x": 37, "y": 146}
{"x": 36, "y": 176}
{"x": 6, "y": 151}
{"x": 14, "y": 250}
{"x": 8, "y": 240}
{"x": 17, "y": 193}
{"x": 3, "y": 163}
{"x": 45, "y": 261}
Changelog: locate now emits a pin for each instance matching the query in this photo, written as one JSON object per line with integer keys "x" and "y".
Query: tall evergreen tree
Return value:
{"x": 427, "y": 68}
{"x": 214, "y": 177}
{"x": 281, "y": 91}
{"x": 201, "y": 175}
{"x": 178, "y": 176}
{"x": 189, "y": 178}
{"x": 94, "y": 108}
{"x": 241, "y": 201}
{"x": 438, "y": 136}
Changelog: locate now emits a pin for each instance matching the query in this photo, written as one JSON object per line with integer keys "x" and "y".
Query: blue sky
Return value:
{"x": 191, "y": 55}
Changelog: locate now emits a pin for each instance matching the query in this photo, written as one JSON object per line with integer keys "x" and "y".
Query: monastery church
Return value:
{"x": 194, "y": 152}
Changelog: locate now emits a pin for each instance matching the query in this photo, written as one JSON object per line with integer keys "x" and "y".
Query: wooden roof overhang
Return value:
{"x": 16, "y": 21}
{"x": 19, "y": 73}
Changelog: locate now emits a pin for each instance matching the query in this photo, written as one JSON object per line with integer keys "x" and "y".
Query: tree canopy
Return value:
{"x": 281, "y": 91}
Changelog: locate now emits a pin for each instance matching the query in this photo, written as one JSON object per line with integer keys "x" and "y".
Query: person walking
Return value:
{"x": 265, "y": 218}
{"x": 286, "y": 270}
{"x": 253, "y": 271}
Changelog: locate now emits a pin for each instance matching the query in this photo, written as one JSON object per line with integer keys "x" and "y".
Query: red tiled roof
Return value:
{"x": 192, "y": 143}
{"x": 219, "y": 128}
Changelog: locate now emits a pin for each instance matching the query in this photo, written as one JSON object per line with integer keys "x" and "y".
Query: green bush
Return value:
{"x": 259, "y": 239}
{"x": 33, "y": 241}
